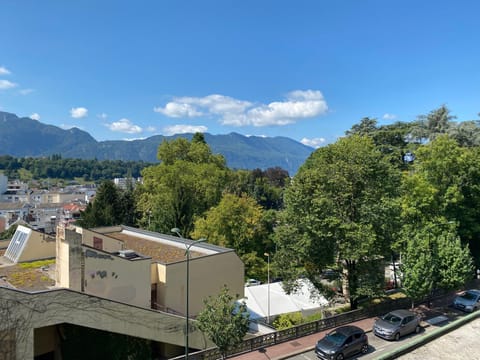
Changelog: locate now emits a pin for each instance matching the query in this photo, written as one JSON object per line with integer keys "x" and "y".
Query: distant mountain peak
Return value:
{"x": 22, "y": 137}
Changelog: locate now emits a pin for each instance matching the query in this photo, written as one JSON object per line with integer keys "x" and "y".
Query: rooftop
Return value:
{"x": 32, "y": 276}
{"x": 160, "y": 247}
{"x": 160, "y": 252}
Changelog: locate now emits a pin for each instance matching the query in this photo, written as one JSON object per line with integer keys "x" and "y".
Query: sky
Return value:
{"x": 303, "y": 69}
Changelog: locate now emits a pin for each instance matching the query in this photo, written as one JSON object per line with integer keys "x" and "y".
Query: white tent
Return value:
{"x": 256, "y": 299}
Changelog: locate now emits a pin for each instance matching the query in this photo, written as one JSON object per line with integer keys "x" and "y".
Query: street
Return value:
{"x": 459, "y": 343}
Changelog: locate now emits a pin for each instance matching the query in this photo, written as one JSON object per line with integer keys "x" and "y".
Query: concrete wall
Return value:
{"x": 117, "y": 278}
{"x": 208, "y": 274}
{"x": 23, "y": 313}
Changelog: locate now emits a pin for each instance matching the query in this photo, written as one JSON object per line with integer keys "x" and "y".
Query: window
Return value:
{"x": 98, "y": 243}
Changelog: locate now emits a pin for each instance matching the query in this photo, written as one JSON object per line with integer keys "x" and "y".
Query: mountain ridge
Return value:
{"x": 25, "y": 137}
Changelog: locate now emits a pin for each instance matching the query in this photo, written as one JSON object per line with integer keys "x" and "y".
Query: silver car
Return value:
{"x": 397, "y": 323}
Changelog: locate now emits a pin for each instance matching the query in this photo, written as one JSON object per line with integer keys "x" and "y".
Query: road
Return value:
{"x": 377, "y": 347}
{"x": 458, "y": 344}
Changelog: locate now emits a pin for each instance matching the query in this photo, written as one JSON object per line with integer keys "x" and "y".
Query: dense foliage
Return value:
{"x": 57, "y": 168}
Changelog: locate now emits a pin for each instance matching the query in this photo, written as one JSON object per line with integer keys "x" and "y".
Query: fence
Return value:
{"x": 298, "y": 331}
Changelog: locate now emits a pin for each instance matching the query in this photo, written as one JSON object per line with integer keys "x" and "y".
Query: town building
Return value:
{"x": 118, "y": 279}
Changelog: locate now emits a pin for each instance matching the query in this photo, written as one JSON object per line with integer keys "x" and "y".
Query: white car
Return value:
{"x": 252, "y": 282}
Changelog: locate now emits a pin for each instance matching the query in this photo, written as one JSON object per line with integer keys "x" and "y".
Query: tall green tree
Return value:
{"x": 339, "y": 209}
{"x": 188, "y": 181}
{"x": 105, "y": 210}
{"x": 225, "y": 323}
{"x": 434, "y": 258}
{"x": 444, "y": 184}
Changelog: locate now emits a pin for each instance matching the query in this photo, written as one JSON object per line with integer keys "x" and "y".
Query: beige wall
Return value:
{"x": 109, "y": 244}
{"x": 52, "y": 197}
{"x": 117, "y": 278}
{"x": 208, "y": 274}
{"x": 39, "y": 246}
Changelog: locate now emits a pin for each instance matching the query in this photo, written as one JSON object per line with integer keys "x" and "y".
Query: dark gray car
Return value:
{"x": 397, "y": 323}
{"x": 341, "y": 343}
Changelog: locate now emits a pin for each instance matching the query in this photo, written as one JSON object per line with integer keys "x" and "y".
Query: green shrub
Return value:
{"x": 286, "y": 321}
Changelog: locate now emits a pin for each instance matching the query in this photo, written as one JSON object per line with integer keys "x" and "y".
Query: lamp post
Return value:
{"x": 187, "y": 254}
{"x": 268, "y": 286}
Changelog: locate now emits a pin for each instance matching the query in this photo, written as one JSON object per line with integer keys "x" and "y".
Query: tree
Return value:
{"x": 466, "y": 133}
{"x": 339, "y": 209}
{"x": 443, "y": 184}
{"x": 434, "y": 258}
{"x": 366, "y": 127}
{"x": 188, "y": 181}
{"x": 105, "y": 210}
{"x": 225, "y": 323}
{"x": 237, "y": 222}
{"x": 437, "y": 122}
{"x": 266, "y": 187}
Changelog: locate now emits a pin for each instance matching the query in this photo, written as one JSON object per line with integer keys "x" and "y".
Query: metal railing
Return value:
{"x": 298, "y": 331}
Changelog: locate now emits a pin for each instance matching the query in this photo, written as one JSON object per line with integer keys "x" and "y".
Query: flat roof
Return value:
{"x": 32, "y": 276}
{"x": 160, "y": 247}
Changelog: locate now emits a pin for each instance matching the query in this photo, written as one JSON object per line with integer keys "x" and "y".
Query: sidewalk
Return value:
{"x": 307, "y": 343}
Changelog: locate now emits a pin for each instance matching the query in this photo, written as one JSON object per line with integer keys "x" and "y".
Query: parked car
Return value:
{"x": 397, "y": 323}
{"x": 468, "y": 300}
{"x": 253, "y": 282}
{"x": 342, "y": 343}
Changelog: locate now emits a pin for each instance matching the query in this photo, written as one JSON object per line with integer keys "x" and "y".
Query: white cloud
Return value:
{"x": 102, "y": 116}
{"x": 182, "y": 129}
{"x": 124, "y": 125}
{"x": 388, "y": 116}
{"x": 25, "y": 91}
{"x": 4, "y": 70}
{"x": 35, "y": 116}
{"x": 5, "y": 84}
{"x": 298, "y": 105}
{"x": 78, "y": 113}
{"x": 178, "y": 109}
{"x": 150, "y": 129}
{"x": 315, "y": 142}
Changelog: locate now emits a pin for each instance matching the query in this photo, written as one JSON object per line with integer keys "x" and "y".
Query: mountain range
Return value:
{"x": 24, "y": 137}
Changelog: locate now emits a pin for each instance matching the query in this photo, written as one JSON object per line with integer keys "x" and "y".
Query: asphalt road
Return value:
{"x": 461, "y": 343}
{"x": 377, "y": 346}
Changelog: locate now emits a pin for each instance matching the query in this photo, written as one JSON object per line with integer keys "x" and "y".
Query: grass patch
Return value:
{"x": 36, "y": 264}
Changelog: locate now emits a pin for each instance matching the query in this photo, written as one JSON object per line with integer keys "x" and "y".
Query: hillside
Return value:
{"x": 22, "y": 137}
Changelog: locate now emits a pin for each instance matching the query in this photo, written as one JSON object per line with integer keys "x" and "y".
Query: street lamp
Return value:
{"x": 268, "y": 286}
{"x": 187, "y": 254}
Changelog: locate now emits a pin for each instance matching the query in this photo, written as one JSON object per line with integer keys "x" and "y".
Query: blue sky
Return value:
{"x": 307, "y": 70}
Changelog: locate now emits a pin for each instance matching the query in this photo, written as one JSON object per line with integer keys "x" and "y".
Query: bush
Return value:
{"x": 286, "y": 321}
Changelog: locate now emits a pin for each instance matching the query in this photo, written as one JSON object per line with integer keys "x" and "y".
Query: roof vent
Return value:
{"x": 127, "y": 254}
